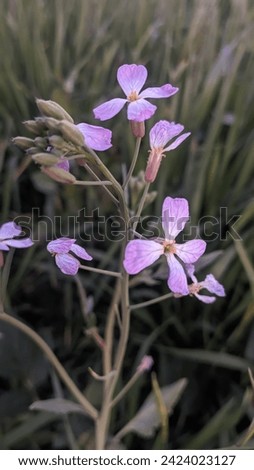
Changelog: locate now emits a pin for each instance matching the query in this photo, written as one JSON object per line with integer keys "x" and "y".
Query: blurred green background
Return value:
{"x": 69, "y": 52}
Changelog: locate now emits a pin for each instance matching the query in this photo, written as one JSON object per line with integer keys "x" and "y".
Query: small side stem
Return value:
{"x": 152, "y": 301}
{"x": 100, "y": 271}
{"x": 140, "y": 206}
{"x": 93, "y": 183}
{"x": 133, "y": 163}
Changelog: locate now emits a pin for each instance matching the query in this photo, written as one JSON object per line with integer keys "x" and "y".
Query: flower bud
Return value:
{"x": 33, "y": 126}
{"x": 58, "y": 174}
{"x": 32, "y": 151}
{"x": 153, "y": 165}
{"x": 52, "y": 109}
{"x": 146, "y": 364}
{"x": 138, "y": 128}
{"x": 23, "y": 142}
{"x": 59, "y": 143}
{"x": 52, "y": 124}
{"x": 41, "y": 142}
{"x": 46, "y": 159}
{"x": 71, "y": 133}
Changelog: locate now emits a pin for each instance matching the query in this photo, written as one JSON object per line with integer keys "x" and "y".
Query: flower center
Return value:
{"x": 169, "y": 246}
{"x": 194, "y": 288}
{"x": 133, "y": 96}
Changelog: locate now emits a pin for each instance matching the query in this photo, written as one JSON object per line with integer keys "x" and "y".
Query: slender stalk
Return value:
{"x": 126, "y": 388}
{"x": 6, "y": 273}
{"x": 133, "y": 163}
{"x": 93, "y": 174}
{"x": 100, "y": 271}
{"x": 88, "y": 407}
{"x": 140, "y": 206}
{"x": 151, "y": 302}
{"x": 93, "y": 183}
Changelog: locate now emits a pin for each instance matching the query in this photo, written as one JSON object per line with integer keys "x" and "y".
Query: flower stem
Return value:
{"x": 88, "y": 407}
{"x": 133, "y": 163}
{"x": 140, "y": 206}
{"x": 126, "y": 388}
{"x": 93, "y": 183}
{"x": 152, "y": 301}
{"x": 100, "y": 271}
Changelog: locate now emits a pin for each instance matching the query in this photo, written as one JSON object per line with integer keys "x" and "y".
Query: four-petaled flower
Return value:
{"x": 140, "y": 254}
{"x": 66, "y": 262}
{"x": 96, "y": 137}
{"x": 7, "y": 233}
{"x": 131, "y": 79}
{"x": 160, "y": 134}
{"x": 209, "y": 283}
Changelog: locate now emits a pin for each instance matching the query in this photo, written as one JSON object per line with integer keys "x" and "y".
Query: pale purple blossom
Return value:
{"x": 63, "y": 249}
{"x": 96, "y": 137}
{"x": 140, "y": 254}
{"x": 8, "y": 234}
{"x": 210, "y": 283}
{"x": 146, "y": 364}
{"x": 131, "y": 79}
{"x": 160, "y": 135}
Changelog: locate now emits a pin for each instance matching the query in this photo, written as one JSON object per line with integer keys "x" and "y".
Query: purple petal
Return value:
{"x": 213, "y": 286}
{"x": 22, "y": 243}
{"x": 140, "y": 110}
{"x": 9, "y": 230}
{"x": 109, "y": 109}
{"x": 177, "y": 280}
{"x": 80, "y": 252}
{"x": 175, "y": 213}
{"x": 131, "y": 78}
{"x": 98, "y": 138}
{"x": 163, "y": 91}
{"x": 67, "y": 264}
{"x": 177, "y": 142}
{"x": 4, "y": 247}
{"x": 141, "y": 253}
{"x": 60, "y": 245}
{"x": 205, "y": 298}
{"x": 190, "y": 269}
{"x": 162, "y": 132}
{"x": 190, "y": 251}
{"x": 64, "y": 164}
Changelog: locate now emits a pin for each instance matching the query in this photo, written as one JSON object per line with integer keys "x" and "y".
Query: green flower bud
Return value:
{"x": 46, "y": 159}
{"x": 33, "y": 126}
{"x": 52, "y": 124}
{"x": 58, "y": 174}
{"x": 53, "y": 109}
{"x": 41, "y": 142}
{"x": 71, "y": 133}
{"x": 23, "y": 142}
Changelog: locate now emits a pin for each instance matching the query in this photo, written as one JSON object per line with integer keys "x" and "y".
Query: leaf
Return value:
{"x": 57, "y": 406}
{"x": 147, "y": 419}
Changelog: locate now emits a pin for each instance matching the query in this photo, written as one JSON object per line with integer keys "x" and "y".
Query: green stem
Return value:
{"x": 93, "y": 183}
{"x": 88, "y": 407}
{"x": 126, "y": 388}
{"x": 140, "y": 206}
{"x": 133, "y": 163}
{"x": 152, "y": 301}
{"x": 100, "y": 271}
{"x": 93, "y": 174}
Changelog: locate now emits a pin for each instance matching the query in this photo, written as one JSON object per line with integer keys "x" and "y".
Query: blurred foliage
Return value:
{"x": 69, "y": 52}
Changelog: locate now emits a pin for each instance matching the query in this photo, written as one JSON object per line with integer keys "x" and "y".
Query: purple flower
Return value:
{"x": 96, "y": 137}
{"x": 131, "y": 79}
{"x": 210, "y": 284}
{"x": 66, "y": 262}
{"x": 140, "y": 254}
{"x": 160, "y": 134}
{"x": 7, "y": 232}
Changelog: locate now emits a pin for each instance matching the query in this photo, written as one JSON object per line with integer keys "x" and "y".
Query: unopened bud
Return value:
{"x": 34, "y": 126}
{"x": 41, "y": 142}
{"x": 46, "y": 159}
{"x": 71, "y": 133}
{"x": 153, "y": 165}
{"x": 138, "y": 128}
{"x": 59, "y": 143}
{"x": 32, "y": 151}
{"x": 52, "y": 109}
{"x": 145, "y": 364}
{"x": 52, "y": 124}
{"x": 58, "y": 174}
{"x": 23, "y": 142}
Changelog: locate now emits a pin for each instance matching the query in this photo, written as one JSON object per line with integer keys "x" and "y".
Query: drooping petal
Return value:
{"x": 162, "y": 132}
{"x": 207, "y": 299}
{"x": 131, "y": 77}
{"x": 141, "y": 253}
{"x": 177, "y": 142}
{"x": 177, "y": 280}
{"x": 4, "y": 247}
{"x": 190, "y": 251}
{"x": 98, "y": 138}
{"x": 9, "y": 230}
{"x": 60, "y": 245}
{"x": 140, "y": 110}
{"x": 109, "y": 109}
{"x": 164, "y": 91}
{"x": 190, "y": 270}
{"x": 67, "y": 263}
{"x": 64, "y": 164}
{"x": 22, "y": 243}
{"x": 175, "y": 213}
{"x": 213, "y": 286}
{"x": 80, "y": 252}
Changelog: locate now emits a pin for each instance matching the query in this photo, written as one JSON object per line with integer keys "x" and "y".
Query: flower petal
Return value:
{"x": 213, "y": 286}
{"x": 141, "y": 253}
{"x": 190, "y": 269}
{"x": 22, "y": 243}
{"x": 131, "y": 77}
{"x": 60, "y": 245}
{"x": 109, "y": 109}
{"x": 67, "y": 264}
{"x": 175, "y": 213}
{"x": 64, "y": 164}
{"x": 177, "y": 280}
{"x": 98, "y": 138}
{"x": 9, "y": 230}
{"x": 177, "y": 142}
{"x": 164, "y": 91}
{"x": 207, "y": 299}
{"x": 190, "y": 251}
{"x": 80, "y": 252}
{"x": 140, "y": 110}
{"x": 4, "y": 247}
{"x": 162, "y": 132}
